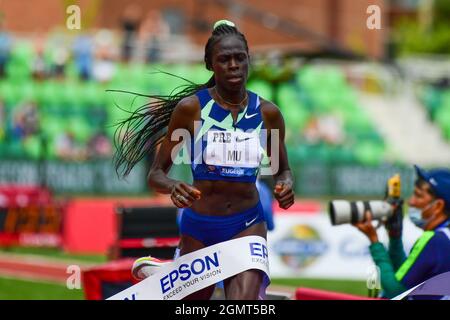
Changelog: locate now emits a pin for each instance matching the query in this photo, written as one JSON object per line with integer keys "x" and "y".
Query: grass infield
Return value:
{"x": 14, "y": 289}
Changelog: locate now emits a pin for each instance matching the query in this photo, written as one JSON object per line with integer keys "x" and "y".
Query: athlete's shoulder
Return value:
{"x": 269, "y": 107}
{"x": 188, "y": 106}
{"x": 270, "y": 111}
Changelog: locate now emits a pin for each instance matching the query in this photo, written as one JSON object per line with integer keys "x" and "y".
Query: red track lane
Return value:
{"x": 27, "y": 268}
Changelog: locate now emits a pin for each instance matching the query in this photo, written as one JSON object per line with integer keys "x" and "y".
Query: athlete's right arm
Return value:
{"x": 182, "y": 117}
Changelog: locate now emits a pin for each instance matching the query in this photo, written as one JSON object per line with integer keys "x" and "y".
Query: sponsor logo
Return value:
{"x": 241, "y": 140}
{"x": 186, "y": 271}
{"x": 247, "y": 223}
{"x": 300, "y": 247}
{"x": 258, "y": 250}
{"x": 132, "y": 297}
{"x": 249, "y": 116}
{"x": 232, "y": 171}
{"x": 353, "y": 247}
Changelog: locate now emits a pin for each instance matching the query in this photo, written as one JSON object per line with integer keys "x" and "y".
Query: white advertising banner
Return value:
{"x": 307, "y": 245}
{"x": 200, "y": 269}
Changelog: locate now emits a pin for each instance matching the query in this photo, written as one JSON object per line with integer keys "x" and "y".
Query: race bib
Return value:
{"x": 233, "y": 149}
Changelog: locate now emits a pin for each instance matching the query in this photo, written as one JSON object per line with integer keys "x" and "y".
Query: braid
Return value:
{"x": 145, "y": 128}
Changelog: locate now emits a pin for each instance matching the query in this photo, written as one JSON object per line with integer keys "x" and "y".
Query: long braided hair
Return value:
{"x": 145, "y": 128}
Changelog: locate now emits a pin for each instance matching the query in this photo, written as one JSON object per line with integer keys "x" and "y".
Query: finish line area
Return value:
{"x": 137, "y": 129}
{"x": 105, "y": 276}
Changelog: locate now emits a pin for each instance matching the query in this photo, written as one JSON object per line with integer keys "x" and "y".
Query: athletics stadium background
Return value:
{"x": 360, "y": 104}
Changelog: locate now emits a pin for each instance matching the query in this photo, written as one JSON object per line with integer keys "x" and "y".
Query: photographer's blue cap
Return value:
{"x": 439, "y": 180}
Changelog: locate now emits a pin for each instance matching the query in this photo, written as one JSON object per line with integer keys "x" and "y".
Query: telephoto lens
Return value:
{"x": 343, "y": 211}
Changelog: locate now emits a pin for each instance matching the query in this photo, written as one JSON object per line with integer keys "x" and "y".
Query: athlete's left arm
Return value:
{"x": 284, "y": 181}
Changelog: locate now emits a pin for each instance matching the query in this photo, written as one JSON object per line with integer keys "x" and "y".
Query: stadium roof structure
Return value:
{"x": 324, "y": 46}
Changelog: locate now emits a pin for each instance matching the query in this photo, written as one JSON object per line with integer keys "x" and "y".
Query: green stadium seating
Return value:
{"x": 15, "y": 149}
{"x": 33, "y": 147}
{"x": 262, "y": 88}
{"x": 81, "y": 129}
{"x": 85, "y": 108}
{"x": 369, "y": 153}
{"x": 437, "y": 103}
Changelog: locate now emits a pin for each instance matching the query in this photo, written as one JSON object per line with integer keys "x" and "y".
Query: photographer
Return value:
{"x": 429, "y": 209}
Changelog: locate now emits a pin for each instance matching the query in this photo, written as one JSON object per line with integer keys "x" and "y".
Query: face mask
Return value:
{"x": 415, "y": 215}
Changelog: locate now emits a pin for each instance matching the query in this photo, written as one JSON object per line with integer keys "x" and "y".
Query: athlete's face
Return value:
{"x": 229, "y": 63}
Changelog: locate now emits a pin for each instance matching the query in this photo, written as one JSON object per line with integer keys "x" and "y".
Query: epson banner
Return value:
{"x": 200, "y": 269}
{"x": 191, "y": 273}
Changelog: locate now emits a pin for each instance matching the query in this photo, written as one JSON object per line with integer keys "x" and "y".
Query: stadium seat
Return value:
{"x": 80, "y": 128}
{"x": 15, "y": 149}
{"x": 262, "y": 88}
{"x": 368, "y": 153}
{"x": 33, "y": 147}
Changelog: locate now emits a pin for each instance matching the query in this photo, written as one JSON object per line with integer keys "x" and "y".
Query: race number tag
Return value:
{"x": 233, "y": 148}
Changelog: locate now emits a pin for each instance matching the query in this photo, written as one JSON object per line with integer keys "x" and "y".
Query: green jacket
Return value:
{"x": 394, "y": 264}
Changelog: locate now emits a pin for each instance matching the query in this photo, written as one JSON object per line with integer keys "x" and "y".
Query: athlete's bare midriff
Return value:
{"x": 220, "y": 197}
{"x": 224, "y": 197}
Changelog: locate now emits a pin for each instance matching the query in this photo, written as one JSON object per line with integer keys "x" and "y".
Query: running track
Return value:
{"x": 35, "y": 268}
{"x": 30, "y": 267}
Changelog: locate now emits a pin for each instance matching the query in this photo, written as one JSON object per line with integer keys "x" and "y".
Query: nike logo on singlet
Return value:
{"x": 247, "y": 116}
{"x": 247, "y": 223}
{"x": 245, "y": 139}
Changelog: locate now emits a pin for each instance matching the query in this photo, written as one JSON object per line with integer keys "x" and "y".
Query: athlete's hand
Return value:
{"x": 183, "y": 194}
{"x": 284, "y": 194}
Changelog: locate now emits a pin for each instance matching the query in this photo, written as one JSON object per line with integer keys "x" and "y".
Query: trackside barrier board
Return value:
{"x": 308, "y": 246}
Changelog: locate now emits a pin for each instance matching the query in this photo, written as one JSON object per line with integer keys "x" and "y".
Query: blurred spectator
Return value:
{"x": 30, "y": 119}
{"x": 311, "y": 132}
{"x": 99, "y": 146}
{"x": 5, "y": 49}
{"x": 154, "y": 29}
{"x": 25, "y": 121}
{"x": 104, "y": 66}
{"x": 83, "y": 56}
{"x": 59, "y": 56}
{"x": 331, "y": 129}
{"x": 325, "y": 128}
{"x": 40, "y": 70}
{"x": 66, "y": 147}
{"x": 130, "y": 25}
